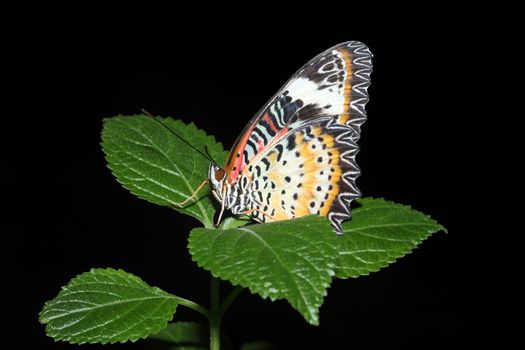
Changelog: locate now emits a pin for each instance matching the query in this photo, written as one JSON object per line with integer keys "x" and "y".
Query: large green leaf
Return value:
{"x": 107, "y": 306}
{"x": 290, "y": 260}
{"x": 379, "y": 233}
{"x": 154, "y": 164}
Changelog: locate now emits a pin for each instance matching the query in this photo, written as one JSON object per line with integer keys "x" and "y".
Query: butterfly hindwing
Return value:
{"x": 311, "y": 171}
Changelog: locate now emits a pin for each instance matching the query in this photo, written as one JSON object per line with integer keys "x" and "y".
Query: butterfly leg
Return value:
{"x": 180, "y": 204}
{"x": 222, "y": 208}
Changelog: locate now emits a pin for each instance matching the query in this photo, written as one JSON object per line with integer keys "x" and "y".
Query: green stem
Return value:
{"x": 229, "y": 300}
{"x": 215, "y": 315}
{"x": 192, "y": 305}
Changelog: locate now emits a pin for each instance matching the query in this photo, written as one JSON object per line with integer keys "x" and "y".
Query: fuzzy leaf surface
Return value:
{"x": 379, "y": 233}
{"x": 107, "y": 306}
{"x": 154, "y": 164}
{"x": 292, "y": 260}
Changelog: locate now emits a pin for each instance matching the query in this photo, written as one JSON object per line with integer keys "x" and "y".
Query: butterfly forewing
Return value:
{"x": 298, "y": 153}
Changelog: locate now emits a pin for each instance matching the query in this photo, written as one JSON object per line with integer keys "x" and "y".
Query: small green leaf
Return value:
{"x": 184, "y": 336}
{"x": 290, "y": 260}
{"x": 154, "y": 164}
{"x": 379, "y": 233}
{"x": 107, "y": 306}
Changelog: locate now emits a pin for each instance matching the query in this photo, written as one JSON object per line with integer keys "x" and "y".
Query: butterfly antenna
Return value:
{"x": 207, "y": 155}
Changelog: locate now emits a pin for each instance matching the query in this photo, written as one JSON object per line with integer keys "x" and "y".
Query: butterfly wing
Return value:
{"x": 307, "y": 134}
{"x": 334, "y": 83}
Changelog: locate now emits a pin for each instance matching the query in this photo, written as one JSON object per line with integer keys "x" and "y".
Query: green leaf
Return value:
{"x": 290, "y": 260}
{"x": 154, "y": 164}
{"x": 107, "y": 306}
{"x": 379, "y": 233}
{"x": 184, "y": 336}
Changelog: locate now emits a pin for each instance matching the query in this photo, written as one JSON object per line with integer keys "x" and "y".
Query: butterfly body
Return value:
{"x": 297, "y": 155}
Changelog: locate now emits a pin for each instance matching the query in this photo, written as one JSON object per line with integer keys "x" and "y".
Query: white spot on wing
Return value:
{"x": 309, "y": 92}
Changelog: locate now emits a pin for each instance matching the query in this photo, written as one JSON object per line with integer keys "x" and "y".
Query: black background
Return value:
{"x": 68, "y": 68}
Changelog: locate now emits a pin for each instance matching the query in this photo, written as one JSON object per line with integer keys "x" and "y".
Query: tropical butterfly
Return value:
{"x": 296, "y": 156}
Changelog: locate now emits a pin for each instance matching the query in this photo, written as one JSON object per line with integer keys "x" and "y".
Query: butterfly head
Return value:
{"x": 216, "y": 177}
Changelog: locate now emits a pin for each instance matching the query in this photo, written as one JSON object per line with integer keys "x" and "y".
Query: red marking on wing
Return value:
{"x": 260, "y": 146}
{"x": 236, "y": 164}
{"x": 269, "y": 120}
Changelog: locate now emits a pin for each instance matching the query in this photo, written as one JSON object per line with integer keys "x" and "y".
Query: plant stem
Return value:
{"x": 192, "y": 305}
{"x": 229, "y": 300}
{"x": 215, "y": 315}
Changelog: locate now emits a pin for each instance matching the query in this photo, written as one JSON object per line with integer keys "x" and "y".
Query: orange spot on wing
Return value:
{"x": 279, "y": 214}
{"x": 347, "y": 57}
{"x": 311, "y": 168}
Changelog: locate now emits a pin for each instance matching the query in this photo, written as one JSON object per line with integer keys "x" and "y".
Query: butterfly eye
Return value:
{"x": 219, "y": 174}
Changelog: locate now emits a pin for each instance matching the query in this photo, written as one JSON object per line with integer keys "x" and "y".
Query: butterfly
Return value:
{"x": 296, "y": 156}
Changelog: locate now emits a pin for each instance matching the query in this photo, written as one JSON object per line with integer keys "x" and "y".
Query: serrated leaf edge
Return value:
{"x": 416, "y": 243}
{"x": 69, "y": 339}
